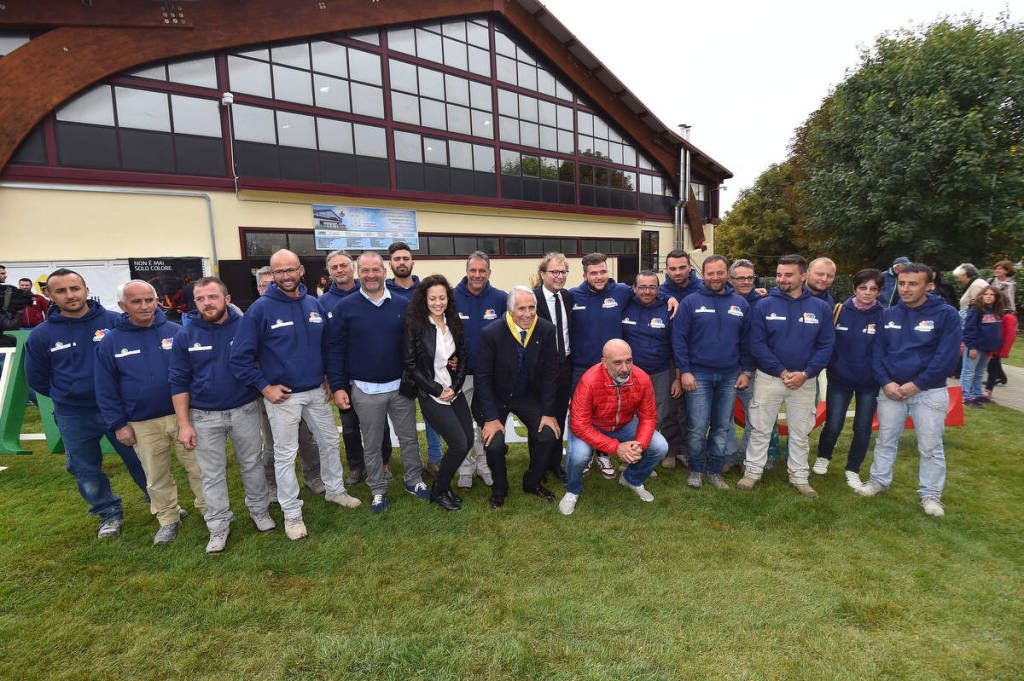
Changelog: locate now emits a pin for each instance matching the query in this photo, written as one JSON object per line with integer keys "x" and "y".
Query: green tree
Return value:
{"x": 918, "y": 151}
{"x": 764, "y": 223}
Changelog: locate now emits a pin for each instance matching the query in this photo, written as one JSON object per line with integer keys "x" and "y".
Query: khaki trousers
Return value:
{"x": 154, "y": 439}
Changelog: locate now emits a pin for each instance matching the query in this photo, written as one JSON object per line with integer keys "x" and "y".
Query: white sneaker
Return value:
{"x": 568, "y": 503}
{"x": 343, "y": 498}
{"x": 870, "y": 489}
{"x": 933, "y": 507}
{"x": 295, "y": 529}
{"x": 853, "y": 480}
{"x": 638, "y": 489}
{"x": 604, "y": 462}
{"x": 111, "y": 527}
{"x": 821, "y": 465}
{"x": 263, "y": 522}
{"x": 218, "y": 540}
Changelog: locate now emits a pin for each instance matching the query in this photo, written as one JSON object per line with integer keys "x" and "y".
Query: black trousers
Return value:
{"x": 455, "y": 426}
{"x": 354, "y": 441}
{"x": 995, "y": 372}
{"x": 563, "y": 393}
{"x": 542, "y": 446}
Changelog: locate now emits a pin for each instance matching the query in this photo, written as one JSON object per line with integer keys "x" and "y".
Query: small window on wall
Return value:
{"x": 649, "y": 250}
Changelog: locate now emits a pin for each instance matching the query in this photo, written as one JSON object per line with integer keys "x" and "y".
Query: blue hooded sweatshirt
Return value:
{"x": 711, "y": 331}
{"x": 983, "y": 332}
{"x": 366, "y": 341}
{"x": 791, "y": 334}
{"x": 60, "y": 357}
{"x": 856, "y": 332}
{"x": 131, "y": 371}
{"x": 826, "y": 297}
{"x": 917, "y": 344}
{"x": 596, "y": 319}
{"x": 671, "y": 289}
{"x": 648, "y": 330}
{"x": 401, "y": 290}
{"x": 287, "y": 336}
{"x": 200, "y": 364}
{"x": 333, "y": 296}
{"x": 476, "y": 312}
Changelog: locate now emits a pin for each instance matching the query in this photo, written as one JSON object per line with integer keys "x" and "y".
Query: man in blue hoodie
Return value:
{"x": 916, "y": 350}
{"x": 479, "y": 304}
{"x": 821, "y": 273}
{"x": 710, "y": 339}
{"x": 791, "y": 341}
{"x": 59, "y": 361}
{"x": 212, "y": 405}
{"x": 134, "y": 397}
{"x": 279, "y": 350}
{"x": 889, "y": 296}
{"x": 680, "y": 281}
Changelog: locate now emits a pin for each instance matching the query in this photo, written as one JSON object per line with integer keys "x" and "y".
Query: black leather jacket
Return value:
{"x": 418, "y": 345}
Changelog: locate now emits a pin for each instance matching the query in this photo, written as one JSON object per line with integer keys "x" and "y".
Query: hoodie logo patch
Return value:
{"x": 892, "y": 325}
{"x": 99, "y": 334}
{"x": 657, "y": 323}
{"x": 489, "y": 313}
{"x": 198, "y": 347}
{"x": 578, "y": 307}
{"x": 167, "y": 343}
{"x": 609, "y": 302}
{"x": 869, "y": 329}
{"x": 735, "y": 310}
{"x": 125, "y": 352}
{"x": 925, "y": 325}
{"x": 629, "y": 321}
{"x": 463, "y": 316}
{"x": 278, "y": 324}
{"x": 58, "y": 346}
{"x": 808, "y": 318}
{"x": 315, "y": 318}
{"x": 704, "y": 309}
{"x": 840, "y": 327}
{"x": 774, "y": 318}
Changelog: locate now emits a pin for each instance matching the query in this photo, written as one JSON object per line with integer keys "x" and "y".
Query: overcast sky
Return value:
{"x": 743, "y": 74}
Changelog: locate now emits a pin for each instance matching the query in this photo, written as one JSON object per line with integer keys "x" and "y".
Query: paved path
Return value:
{"x": 1010, "y": 395}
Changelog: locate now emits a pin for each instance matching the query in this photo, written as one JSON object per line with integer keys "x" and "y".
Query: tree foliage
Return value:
{"x": 919, "y": 151}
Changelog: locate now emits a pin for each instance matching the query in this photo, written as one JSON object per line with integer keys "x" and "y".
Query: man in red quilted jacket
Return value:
{"x": 613, "y": 412}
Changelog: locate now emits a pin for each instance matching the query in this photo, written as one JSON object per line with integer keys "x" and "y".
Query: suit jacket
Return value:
{"x": 497, "y": 369}
{"x": 544, "y": 313}
{"x": 418, "y": 346}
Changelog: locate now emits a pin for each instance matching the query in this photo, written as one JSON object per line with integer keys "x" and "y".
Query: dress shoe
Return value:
{"x": 444, "y": 501}
{"x": 542, "y": 492}
{"x": 437, "y": 490}
{"x": 454, "y": 497}
{"x": 496, "y": 501}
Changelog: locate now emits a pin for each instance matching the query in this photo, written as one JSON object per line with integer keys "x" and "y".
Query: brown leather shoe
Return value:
{"x": 804, "y": 489}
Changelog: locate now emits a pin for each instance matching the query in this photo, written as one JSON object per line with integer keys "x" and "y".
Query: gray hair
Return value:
{"x": 260, "y": 273}
{"x": 965, "y": 270}
{"x": 478, "y": 255}
{"x": 742, "y": 262}
{"x": 519, "y": 289}
{"x": 334, "y": 254}
{"x": 122, "y": 287}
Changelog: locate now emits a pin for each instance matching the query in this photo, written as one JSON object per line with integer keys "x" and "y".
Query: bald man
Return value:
{"x": 613, "y": 412}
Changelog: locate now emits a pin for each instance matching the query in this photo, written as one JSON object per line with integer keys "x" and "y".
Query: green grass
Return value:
{"x": 697, "y": 585}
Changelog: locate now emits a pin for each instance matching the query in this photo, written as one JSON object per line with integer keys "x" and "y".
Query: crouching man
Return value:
{"x": 211, "y": 404}
{"x": 613, "y": 412}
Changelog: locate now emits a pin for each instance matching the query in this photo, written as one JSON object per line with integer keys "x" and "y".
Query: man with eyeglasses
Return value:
{"x": 680, "y": 281}
{"x": 280, "y": 351}
{"x": 554, "y": 303}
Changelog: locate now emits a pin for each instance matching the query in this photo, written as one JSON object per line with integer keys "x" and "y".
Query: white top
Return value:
{"x": 444, "y": 348}
{"x": 549, "y": 298}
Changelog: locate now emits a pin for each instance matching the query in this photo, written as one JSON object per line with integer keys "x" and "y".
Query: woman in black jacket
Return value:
{"x": 433, "y": 338}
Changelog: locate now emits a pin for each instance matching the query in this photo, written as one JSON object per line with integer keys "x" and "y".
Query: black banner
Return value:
{"x": 168, "y": 276}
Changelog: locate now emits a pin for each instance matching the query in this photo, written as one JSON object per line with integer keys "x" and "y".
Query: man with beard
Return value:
{"x": 680, "y": 281}
{"x": 821, "y": 272}
{"x": 134, "y": 397}
{"x": 212, "y": 405}
{"x": 613, "y": 412}
{"x": 59, "y": 361}
{"x": 279, "y": 350}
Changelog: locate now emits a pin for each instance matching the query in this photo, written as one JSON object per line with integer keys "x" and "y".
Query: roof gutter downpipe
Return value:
{"x": 684, "y": 187}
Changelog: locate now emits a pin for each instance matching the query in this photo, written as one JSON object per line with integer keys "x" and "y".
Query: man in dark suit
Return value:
{"x": 515, "y": 372}
{"x": 554, "y": 303}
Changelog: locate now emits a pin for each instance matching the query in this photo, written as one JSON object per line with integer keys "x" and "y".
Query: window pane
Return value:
{"x": 586, "y": 145}
{"x": 510, "y": 164}
{"x": 508, "y": 129}
{"x": 656, "y": 187}
{"x": 371, "y": 37}
{"x": 615, "y": 152}
{"x": 330, "y": 58}
{"x": 295, "y": 130}
{"x": 428, "y": 45}
{"x": 200, "y": 72}
{"x": 10, "y": 42}
{"x": 157, "y": 72}
{"x": 645, "y": 184}
{"x": 506, "y": 69}
{"x": 302, "y": 243}
{"x": 335, "y": 135}
{"x": 628, "y": 155}
{"x": 483, "y": 125}
{"x": 600, "y": 128}
{"x": 565, "y": 142}
{"x": 455, "y": 54}
{"x": 440, "y": 245}
{"x": 364, "y": 66}
{"x": 629, "y": 181}
{"x": 403, "y": 76}
{"x": 586, "y": 123}
{"x": 545, "y": 82}
{"x": 408, "y": 147}
{"x": 508, "y": 103}
{"x": 529, "y": 135}
{"x": 431, "y": 83}
{"x": 435, "y": 151}
{"x": 292, "y": 86}
{"x": 483, "y": 158}
{"x": 253, "y": 124}
{"x": 534, "y": 246}
{"x": 454, "y": 29}
{"x": 548, "y": 168}
{"x": 527, "y": 76}
{"x": 95, "y": 106}
{"x": 370, "y": 141}
{"x": 331, "y": 93}
{"x": 478, "y": 35}
{"x": 461, "y": 154}
{"x": 504, "y": 45}
{"x": 367, "y": 100}
{"x": 564, "y": 117}
{"x": 548, "y": 138}
{"x": 488, "y": 244}
{"x": 142, "y": 109}
{"x": 547, "y": 112}
{"x": 514, "y": 246}
{"x": 586, "y": 174}
{"x": 263, "y": 54}
{"x": 480, "y": 96}
{"x": 432, "y": 113}
{"x": 405, "y": 108}
{"x": 464, "y": 245}
{"x": 402, "y": 40}
{"x": 480, "y": 61}
{"x": 562, "y": 92}
{"x": 601, "y": 176}
{"x": 264, "y": 243}
{"x": 528, "y": 108}
{"x": 292, "y": 55}
{"x": 567, "y": 171}
{"x": 194, "y": 116}
{"x": 458, "y": 119}
{"x": 456, "y": 90}
{"x": 568, "y": 246}
{"x": 531, "y": 166}
{"x": 251, "y": 77}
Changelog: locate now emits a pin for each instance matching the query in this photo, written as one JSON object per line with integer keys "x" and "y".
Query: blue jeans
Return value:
{"x": 837, "y": 401}
{"x": 971, "y": 375}
{"x": 580, "y": 453}
{"x": 434, "y": 452}
{"x": 710, "y": 405}
{"x": 928, "y": 409}
{"x": 81, "y": 432}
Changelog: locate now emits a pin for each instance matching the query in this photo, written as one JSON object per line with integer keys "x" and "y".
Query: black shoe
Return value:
{"x": 560, "y": 474}
{"x": 454, "y": 497}
{"x": 496, "y": 501}
{"x": 444, "y": 501}
{"x": 542, "y": 492}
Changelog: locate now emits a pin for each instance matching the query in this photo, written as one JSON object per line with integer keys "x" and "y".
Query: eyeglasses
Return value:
{"x": 646, "y": 288}
{"x": 558, "y": 273}
{"x": 289, "y": 270}
{"x": 742, "y": 278}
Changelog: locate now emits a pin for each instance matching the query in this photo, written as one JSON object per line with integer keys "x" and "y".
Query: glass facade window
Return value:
{"x": 517, "y": 67}
{"x": 200, "y": 72}
{"x": 432, "y": 99}
{"x": 459, "y": 44}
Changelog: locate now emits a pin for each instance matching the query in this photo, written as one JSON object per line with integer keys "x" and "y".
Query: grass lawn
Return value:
{"x": 697, "y": 585}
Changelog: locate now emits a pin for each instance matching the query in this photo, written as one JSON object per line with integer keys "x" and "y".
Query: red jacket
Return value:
{"x": 35, "y": 314}
{"x": 599, "y": 403}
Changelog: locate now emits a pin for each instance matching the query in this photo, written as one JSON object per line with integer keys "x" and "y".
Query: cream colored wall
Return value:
{"x": 59, "y": 224}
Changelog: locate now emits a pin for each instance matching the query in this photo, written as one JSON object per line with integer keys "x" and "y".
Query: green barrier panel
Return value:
{"x": 54, "y": 441}
{"x": 15, "y": 394}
